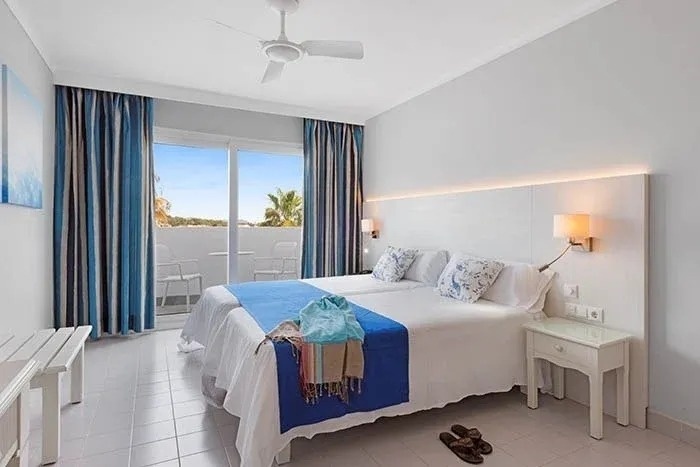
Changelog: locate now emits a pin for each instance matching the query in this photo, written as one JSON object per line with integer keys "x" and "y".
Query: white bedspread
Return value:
{"x": 488, "y": 335}
{"x": 211, "y": 309}
{"x": 360, "y": 284}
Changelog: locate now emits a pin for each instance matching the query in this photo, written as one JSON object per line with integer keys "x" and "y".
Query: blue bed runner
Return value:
{"x": 385, "y": 351}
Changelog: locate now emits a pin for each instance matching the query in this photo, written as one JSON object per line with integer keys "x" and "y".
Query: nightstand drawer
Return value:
{"x": 570, "y": 351}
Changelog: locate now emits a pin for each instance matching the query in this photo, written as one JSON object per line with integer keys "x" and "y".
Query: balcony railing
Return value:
{"x": 199, "y": 242}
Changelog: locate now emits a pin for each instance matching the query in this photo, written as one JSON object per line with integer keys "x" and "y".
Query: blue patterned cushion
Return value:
{"x": 393, "y": 264}
{"x": 467, "y": 279}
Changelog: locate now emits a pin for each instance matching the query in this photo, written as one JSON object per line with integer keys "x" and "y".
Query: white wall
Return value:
{"x": 619, "y": 89}
{"x": 227, "y": 122}
{"x": 26, "y": 282}
{"x": 515, "y": 224}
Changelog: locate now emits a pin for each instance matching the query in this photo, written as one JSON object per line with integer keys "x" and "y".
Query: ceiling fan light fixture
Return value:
{"x": 283, "y": 52}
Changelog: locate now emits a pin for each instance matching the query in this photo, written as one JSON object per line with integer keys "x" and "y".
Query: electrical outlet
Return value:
{"x": 570, "y": 290}
{"x": 594, "y": 313}
{"x": 570, "y": 309}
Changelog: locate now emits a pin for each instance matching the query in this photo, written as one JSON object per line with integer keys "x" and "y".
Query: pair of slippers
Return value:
{"x": 469, "y": 447}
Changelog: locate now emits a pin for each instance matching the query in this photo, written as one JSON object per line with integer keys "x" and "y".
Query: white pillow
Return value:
{"x": 539, "y": 305}
{"x": 427, "y": 266}
{"x": 466, "y": 278}
{"x": 393, "y": 264}
{"x": 519, "y": 285}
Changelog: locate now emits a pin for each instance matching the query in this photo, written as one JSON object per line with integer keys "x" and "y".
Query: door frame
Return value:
{"x": 252, "y": 145}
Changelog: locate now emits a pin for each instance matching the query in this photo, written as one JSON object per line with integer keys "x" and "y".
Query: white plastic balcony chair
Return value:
{"x": 282, "y": 263}
{"x": 170, "y": 269}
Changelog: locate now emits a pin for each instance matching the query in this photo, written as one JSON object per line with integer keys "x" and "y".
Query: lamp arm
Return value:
{"x": 546, "y": 266}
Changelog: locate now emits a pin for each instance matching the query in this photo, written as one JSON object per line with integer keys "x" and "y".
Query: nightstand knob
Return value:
{"x": 558, "y": 347}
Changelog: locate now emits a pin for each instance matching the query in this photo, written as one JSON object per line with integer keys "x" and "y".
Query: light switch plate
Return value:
{"x": 594, "y": 313}
{"x": 581, "y": 311}
{"x": 570, "y": 290}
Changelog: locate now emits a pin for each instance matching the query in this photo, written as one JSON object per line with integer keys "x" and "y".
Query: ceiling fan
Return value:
{"x": 281, "y": 51}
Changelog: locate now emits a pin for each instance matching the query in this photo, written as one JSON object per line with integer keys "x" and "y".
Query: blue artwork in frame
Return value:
{"x": 3, "y": 131}
{"x": 22, "y": 141}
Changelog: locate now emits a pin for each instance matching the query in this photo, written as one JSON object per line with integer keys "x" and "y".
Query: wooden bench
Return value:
{"x": 56, "y": 352}
{"x": 15, "y": 378}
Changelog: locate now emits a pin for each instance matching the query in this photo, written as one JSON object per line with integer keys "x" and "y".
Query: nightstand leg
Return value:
{"x": 531, "y": 373}
{"x": 558, "y": 387}
{"x": 623, "y": 389}
{"x": 596, "y": 409}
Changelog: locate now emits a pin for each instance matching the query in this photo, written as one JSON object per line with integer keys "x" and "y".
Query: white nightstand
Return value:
{"x": 592, "y": 350}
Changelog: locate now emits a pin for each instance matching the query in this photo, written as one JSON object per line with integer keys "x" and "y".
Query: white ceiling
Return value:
{"x": 167, "y": 48}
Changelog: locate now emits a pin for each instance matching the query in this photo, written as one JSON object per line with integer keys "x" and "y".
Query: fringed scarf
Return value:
{"x": 327, "y": 343}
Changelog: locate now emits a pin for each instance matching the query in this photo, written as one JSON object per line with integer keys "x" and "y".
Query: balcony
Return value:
{"x": 200, "y": 242}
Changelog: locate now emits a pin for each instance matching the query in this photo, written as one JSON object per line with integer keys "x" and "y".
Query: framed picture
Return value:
{"x": 3, "y": 131}
{"x": 22, "y": 140}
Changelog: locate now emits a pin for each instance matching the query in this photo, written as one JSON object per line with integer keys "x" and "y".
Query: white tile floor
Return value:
{"x": 143, "y": 407}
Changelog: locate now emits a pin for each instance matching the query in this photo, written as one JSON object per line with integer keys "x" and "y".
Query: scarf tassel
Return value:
{"x": 312, "y": 391}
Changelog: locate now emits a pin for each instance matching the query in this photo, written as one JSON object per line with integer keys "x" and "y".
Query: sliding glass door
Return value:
{"x": 270, "y": 210}
{"x": 192, "y": 216}
{"x": 227, "y": 210}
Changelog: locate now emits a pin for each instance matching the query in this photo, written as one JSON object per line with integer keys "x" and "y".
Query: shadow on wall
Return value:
{"x": 673, "y": 375}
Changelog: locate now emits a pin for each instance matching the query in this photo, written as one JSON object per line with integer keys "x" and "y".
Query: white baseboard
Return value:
{"x": 673, "y": 428}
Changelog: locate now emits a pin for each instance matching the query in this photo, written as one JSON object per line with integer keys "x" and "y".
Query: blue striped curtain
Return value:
{"x": 332, "y": 198}
{"x": 103, "y": 211}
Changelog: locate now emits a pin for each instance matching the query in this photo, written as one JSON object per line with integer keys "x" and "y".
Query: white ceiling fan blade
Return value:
{"x": 273, "y": 71}
{"x": 338, "y": 49}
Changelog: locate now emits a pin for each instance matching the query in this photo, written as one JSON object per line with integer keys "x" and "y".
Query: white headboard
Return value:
{"x": 516, "y": 224}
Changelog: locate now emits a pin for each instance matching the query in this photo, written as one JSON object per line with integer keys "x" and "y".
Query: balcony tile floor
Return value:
{"x": 143, "y": 407}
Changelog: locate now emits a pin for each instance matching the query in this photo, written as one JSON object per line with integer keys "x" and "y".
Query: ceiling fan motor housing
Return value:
{"x": 282, "y": 51}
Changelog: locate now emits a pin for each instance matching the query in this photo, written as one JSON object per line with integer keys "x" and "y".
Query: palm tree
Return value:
{"x": 162, "y": 212}
{"x": 161, "y": 206}
{"x": 286, "y": 209}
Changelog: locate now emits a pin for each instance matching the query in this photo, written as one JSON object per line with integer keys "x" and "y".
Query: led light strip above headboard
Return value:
{"x": 515, "y": 183}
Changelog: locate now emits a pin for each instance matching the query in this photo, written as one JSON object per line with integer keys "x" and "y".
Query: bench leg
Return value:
{"x": 51, "y": 418}
{"x": 285, "y": 455}
{"x": 77, "y": 380}
{"x": 21, "y": 457}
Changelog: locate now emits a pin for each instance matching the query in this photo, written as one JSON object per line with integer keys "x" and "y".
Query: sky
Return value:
{"x": 195, "y": 180}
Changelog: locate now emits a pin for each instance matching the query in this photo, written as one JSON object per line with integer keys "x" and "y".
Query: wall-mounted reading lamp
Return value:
{"x": 368, "y": 228}
{"x": 576, "y": 229}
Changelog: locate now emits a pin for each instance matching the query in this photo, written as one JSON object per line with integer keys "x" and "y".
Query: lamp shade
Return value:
{"x": 571, "y": 226}
{"x": 367, "y": 225}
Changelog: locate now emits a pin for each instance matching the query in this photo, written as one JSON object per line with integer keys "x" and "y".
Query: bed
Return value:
{"x": 217, "y": 301}
{"x": 245, "y": 384}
